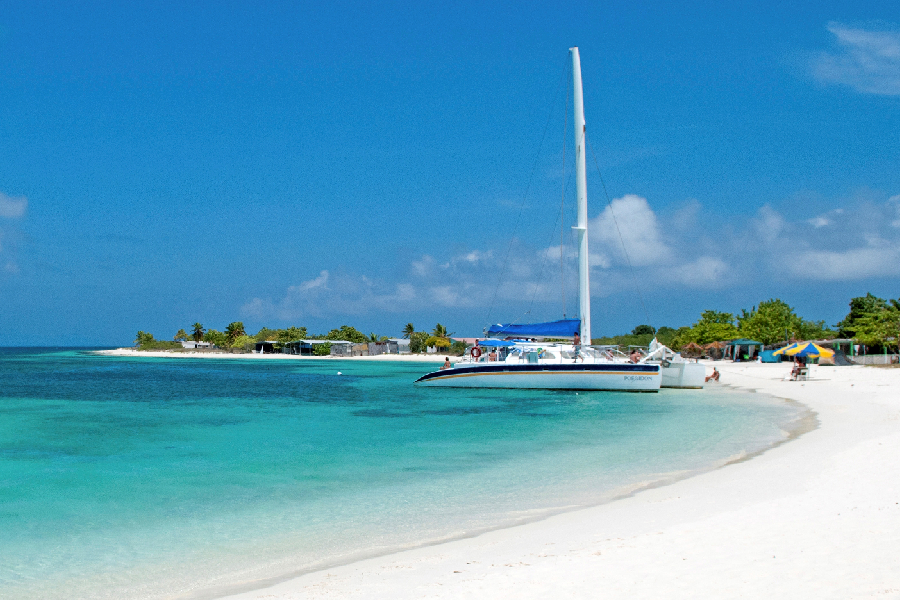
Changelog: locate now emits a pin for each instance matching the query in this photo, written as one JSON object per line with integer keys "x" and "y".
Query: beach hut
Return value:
{"x": 691, "y": 349}
{"x": 742, "y": 349}
{"x": 715, "y": 350}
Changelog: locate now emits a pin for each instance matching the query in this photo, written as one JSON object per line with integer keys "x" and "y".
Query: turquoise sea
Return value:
{"x": 162, "y": 478}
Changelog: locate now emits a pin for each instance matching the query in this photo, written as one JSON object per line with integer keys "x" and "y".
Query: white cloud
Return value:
{"x": 708, "y": 252}
{"x": 629, "y": 220}
{"x": 424, "y": 266}
{"x": 473, "y": 257}
{"x": 866, "y": 60}
{"x": 705, "y": 272}
{"x": 12, "y": 208}
{"x": 769, "y": 225}
{"x": 879, "y": 260}
{"x": 894, "y": 201}
{"x": 319, "y": 282}
{"x": 330, "y": 294}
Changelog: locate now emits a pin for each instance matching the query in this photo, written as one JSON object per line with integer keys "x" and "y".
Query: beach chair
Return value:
{"x": 803, "y": 374}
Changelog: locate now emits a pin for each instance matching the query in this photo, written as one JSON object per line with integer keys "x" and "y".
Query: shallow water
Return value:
{"x": 152, "y": 478}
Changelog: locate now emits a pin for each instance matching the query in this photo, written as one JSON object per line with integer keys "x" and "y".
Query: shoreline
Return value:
{"x": 130, "y": 352}
{"x": 711, "y": 533}
{"x": 806, "y": 422}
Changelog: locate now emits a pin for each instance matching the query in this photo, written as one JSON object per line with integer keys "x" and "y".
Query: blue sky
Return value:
{"x": 345, "y": 163}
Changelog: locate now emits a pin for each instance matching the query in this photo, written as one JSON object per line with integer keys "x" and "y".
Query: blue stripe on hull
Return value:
{"x": 607, "y": 377}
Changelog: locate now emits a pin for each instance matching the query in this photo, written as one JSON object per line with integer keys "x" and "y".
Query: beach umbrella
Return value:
{"x": 785, "y": 349}
{"x": 807, "y": 349}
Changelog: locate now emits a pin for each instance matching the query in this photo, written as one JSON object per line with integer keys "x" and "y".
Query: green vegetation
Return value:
{"x": 347, "y": 334}
{"x": 243, "y": 343}
{"x": 234, "y": 330}
{"x": 322, "y": 349}
{"x": 145, "y": 341}
{"x": 291, "y": 334}
{"x": 216, "y": 338}
{"x": 713, "y": 326}
{"x": 417, "y": 342}
{"x": 872, "y": 321}
{"x": 641, "y": 335}
{"x": 769, "y": 322}
{"x": 458, "y": 348}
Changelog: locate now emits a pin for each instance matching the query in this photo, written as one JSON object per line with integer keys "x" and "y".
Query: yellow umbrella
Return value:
{"x": 805, "y": 349}
{"x": 785, "y": 349}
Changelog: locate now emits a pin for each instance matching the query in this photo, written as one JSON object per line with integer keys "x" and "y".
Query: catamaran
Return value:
{"x": 523, "y": 360}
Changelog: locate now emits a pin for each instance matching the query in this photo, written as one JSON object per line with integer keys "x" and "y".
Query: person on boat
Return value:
{"x": 636, "y": 356}
{"x": 714, "y": 376}
{"x": 446, "y": 364}
{"x": 576, "y": 342}
{"x": 492, "y": 356}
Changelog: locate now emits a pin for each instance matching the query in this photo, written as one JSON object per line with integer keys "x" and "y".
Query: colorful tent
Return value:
{"x": 807, "y": 349}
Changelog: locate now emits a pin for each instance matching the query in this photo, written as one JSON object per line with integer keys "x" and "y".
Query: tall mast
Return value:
{"x": 584, "y": 284}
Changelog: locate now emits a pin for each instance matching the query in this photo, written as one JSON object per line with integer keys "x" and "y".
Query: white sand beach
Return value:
{"x": 815, "y": 517}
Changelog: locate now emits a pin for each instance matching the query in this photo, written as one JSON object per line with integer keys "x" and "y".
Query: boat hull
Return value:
{"x": 578, "y": 376}
{"x": 683, "y": 375}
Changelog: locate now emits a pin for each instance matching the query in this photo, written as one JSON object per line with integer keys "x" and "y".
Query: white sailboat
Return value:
{"x": 530, "y": 364}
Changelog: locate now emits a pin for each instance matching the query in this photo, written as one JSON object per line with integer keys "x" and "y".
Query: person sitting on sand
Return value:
{"x": 714, "y": 376}
{"x": 446, "y": 364}
{"x": 795, "y": 372}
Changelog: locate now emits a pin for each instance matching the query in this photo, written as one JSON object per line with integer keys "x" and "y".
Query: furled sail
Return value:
{"x": 564, "y": 328}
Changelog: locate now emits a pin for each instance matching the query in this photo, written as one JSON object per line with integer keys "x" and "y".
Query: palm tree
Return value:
{"x": 373, "y": 337}
{"x": 198, "y": 332}
{"x": 408, "y": 330}
{"x": 234, "y": 330}
{"x": 440, "y": 331}
{"x": 181, "y": 336}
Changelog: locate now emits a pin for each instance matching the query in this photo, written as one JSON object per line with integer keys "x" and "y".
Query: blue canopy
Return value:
{"x": 497, "y": 343}
{"x": 564, "y": 328}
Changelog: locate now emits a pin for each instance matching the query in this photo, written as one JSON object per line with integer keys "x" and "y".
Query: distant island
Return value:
{"x": 235, "y": 340}
{"x": 872, "y": 323}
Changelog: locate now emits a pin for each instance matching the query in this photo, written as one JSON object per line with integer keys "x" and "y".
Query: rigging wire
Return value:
{"x": 562, "y": 205}
{"x": 559, "y": 217}
{"x": 619, "y": 231}
{"x": 522, "y": 206}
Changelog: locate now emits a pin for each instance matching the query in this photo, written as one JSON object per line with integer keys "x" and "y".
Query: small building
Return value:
{"x": 195, "y": 345}
{"x": 307, "y": 347}
{"x": 391, "y": 346}
{"x": 341, "y": 348}
{"x": 266, "y": 347}
{"x": 402, "y": 345}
